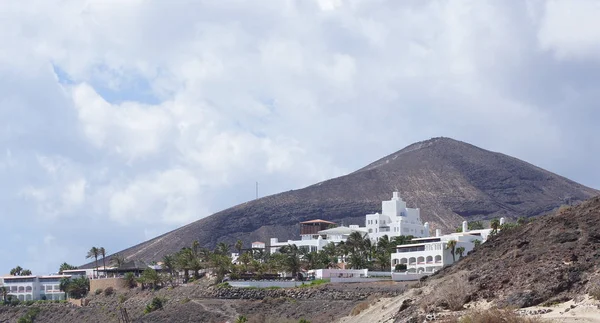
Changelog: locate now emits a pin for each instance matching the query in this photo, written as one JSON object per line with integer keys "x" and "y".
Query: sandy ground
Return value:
{"x": 584, "y": 311}
{"x": 383, "y": 311}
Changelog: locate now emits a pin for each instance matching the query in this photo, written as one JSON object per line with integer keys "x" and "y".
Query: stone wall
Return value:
{"x": 295, "y": 293}
{"x": 103, "y": 283}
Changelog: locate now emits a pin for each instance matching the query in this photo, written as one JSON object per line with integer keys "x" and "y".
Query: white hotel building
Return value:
{"x": 394, "y": 220}
{"x": 32, "y": 288}
{"x": 426, "y": 255}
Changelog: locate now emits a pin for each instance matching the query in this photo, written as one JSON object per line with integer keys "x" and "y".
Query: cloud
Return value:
{"x": 132, "y": 120}
{"x": 570, "y": 29}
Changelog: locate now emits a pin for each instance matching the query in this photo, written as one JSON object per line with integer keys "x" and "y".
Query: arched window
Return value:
{"x": 429, "y": 259}
{"x": 438, "y": 258}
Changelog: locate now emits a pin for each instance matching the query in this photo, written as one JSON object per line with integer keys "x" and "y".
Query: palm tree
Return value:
{"x": 245, "y": 259}
{"x": 16, "y": 271}
{"x": 26, "y": 272}
{"x": 495, "y": 225}
{"x": 169, "y": 264}
{"x": 291, "y": 260}
{"x": 238, "y": 246}
{"x": 117, "y": 260}
{"x": 460, "y": 251}
{"x": 222, "y": 248}
{"x": 4, "y": 293}
{"x": 102, "y": 252}
{"x": 383, "y": 251}
{"x": 452, "y": 246}
{"x": 93, "y": 253}
{"x": 65, "y": 266}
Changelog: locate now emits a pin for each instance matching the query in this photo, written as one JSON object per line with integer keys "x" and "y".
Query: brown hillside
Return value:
{"x": 448, "y": 179}
{"x": 552, "y": 258}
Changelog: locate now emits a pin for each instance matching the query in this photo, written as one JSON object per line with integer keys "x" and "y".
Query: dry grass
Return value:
{"x": 453, "y": 294}
{"x": 492, "y": 316}
{"x": 360, "y": 307}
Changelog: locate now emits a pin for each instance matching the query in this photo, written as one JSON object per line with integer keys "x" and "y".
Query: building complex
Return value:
{"x": 424, "y": 255}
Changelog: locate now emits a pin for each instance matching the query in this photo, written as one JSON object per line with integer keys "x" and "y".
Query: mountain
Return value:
{"x": 447, "y": 179}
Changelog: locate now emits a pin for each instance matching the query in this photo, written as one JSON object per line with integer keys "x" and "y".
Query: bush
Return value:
{"x": 98, "y": 291}
{"x": 30, "y": 316}
{"x": 109, "y": 291}
{"x": 493, "y": 316}
{"x": 223, "y": 285}
{"x": 130, "y": 280}
{"x": 400, "y": 267}
{"x": 122, "y": 298}
{"x": 360, "y": 307}
{"x": 595, "y": 292}
{"x": 156, "y": 304}
{"x": 14, "y": 301}
{"x": 29, "y": 303}
{"x": 454, "y": 294}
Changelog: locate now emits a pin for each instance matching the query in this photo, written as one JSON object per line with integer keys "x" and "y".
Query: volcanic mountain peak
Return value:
{"x": 447, "y": 179}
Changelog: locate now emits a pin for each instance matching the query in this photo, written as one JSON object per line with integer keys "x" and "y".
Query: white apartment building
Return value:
{"x": 396, "y": 220}
{"x": 32, "y": 288}
{"x": 430, "y": 254}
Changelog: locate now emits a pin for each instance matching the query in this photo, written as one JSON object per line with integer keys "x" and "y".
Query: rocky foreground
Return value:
{"x": 548, "y": 267}
{"x": 199, "y": 303}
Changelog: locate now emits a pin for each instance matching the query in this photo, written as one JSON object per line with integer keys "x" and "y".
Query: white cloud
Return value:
{"x": 170, "y": 197}
{"x": 159, "y": 114}
{"x": 571, "y": 29}
{"x": 129, "y": 129}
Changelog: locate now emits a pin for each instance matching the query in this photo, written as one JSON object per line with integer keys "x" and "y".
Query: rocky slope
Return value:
{"x": 448, "y": 179}
{"x": 549, "y": 260}
{"x": 199, "y": 303}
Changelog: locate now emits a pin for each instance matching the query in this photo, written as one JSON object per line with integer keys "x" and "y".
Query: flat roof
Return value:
{"x": 257, "y": 242}
{"x": 427, "y": 238}
{"x": 317, "y": 221}
{"x": 410, "y": 245}
{"x": 342, "y": 230}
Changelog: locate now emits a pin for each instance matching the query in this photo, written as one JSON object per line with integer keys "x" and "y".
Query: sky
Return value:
{"x": 124, "y": 119}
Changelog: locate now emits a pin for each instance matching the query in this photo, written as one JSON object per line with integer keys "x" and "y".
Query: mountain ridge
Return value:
{"x": 448, "y": 179}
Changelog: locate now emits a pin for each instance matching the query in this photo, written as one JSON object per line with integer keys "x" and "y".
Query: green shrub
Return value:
{"x": 304, "y": 321}
{"x": 156, "y": 304}
{"x": 400, "y": 267}
{"x": 185, "y": 300}
{"x": 130, "y": 280}
{"x": 30, "y": 316}
{"x": 122, "y": 298}
{"x": 98, "y": 291}
{"x": 223, "y": 285}
{"x": 109, "y": 291}
{"x": 14, "y": 301}
{"x": 241, "y": 319}
{"x": 29, "y": 303}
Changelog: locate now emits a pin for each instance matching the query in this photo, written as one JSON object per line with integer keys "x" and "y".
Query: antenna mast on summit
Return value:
{"x": 257, "y": 190}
